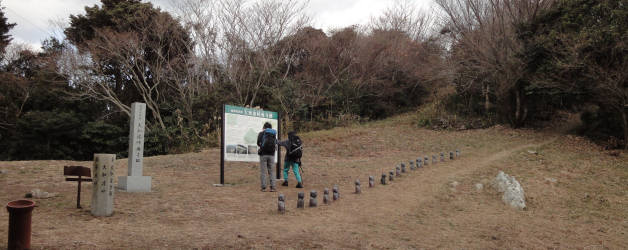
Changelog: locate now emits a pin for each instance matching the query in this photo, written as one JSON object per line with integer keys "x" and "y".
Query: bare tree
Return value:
{"x": 484, "y": 44}
{"x": 237, "y": 40}
{"x": 404, "y": 16}
{"x": 151, "y": 58}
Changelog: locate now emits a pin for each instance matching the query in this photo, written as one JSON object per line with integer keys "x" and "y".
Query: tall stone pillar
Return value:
{"x": 135, "y": 181}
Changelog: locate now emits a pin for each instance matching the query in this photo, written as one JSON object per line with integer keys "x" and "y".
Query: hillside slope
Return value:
{"x": 585, "y": 207}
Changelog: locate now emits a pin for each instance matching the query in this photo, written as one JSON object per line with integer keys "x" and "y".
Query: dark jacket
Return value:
{"x": 260, "y": 137}
{"x": 288, "y": 145}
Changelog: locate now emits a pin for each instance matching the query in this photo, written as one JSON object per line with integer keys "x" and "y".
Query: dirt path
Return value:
{"x": 381, "y": 217}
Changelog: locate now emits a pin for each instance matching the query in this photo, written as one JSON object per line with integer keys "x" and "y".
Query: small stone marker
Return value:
{"x": 281, "y": 203}
{"x": 434, "y": 159}
{"x": 419, "y": 162}
{"x": 300, "y": 201}
{"x": 102, "y": 188}
{"x": 442, "y": 156}
{"x": 134, "y": 181}
{"x": 371, "y": 181}
{"x": 398, "y": 171}
{"x": 426, "y": 160}
{"x": 412, "y": 165}
{"x": 313, "y": 202}
{"x": 336, "y": 193}
{"x": 383, "y": 180}
{"x": 403, "y": 168}
{"x": 451, "y": 155}
{"x": 391, "y": 176}
{"x": 358, "y": 190}
{"x": 326, "y": 196}
{"x": 457, "y": 153}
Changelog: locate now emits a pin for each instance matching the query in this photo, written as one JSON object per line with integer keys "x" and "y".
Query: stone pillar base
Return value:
{"x": 134, "y": 183}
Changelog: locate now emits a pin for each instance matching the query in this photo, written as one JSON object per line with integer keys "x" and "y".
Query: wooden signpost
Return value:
{"x": 81, "y": 172}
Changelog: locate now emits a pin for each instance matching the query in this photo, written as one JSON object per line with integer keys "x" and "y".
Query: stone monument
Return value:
{"x": 313, "y": 202}
{"x": 281, "y": 203}
{"x": 300, "y": 201}
{"x": 335, "y": 193}
{"x": 135, "y": 182}
{"x": 102, "y": 187}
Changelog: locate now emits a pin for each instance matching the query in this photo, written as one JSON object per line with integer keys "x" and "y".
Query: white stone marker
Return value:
{"x": 102, "y": 186}
{"x": 135, "y": 182}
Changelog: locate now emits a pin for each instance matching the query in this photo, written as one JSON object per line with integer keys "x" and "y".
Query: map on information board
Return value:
{"x": 241, "y": 128}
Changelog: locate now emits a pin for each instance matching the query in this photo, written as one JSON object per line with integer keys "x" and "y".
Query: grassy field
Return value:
{"x": 586, "y": 207}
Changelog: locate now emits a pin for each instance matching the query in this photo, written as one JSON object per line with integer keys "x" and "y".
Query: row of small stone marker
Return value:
{"x": 399, "y": 169}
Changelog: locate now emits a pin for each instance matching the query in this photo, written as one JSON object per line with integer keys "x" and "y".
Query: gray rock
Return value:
{"x": 2, "y": 171}
{"x": 419, "y": 162}
{"x": 371, "y": 181}
{"x": 426, "y": 160}
{"x": 336, "y": 193}
{"x": 313, "y": 202}
{"x": 434, "y": 159}
{"x": 39, "y": 194}
{"x": 412, "y": 165}
{"x": 454, "y": 184}
{"x": 326, "y": 196}
{"x": 442, "y": 156}
{"x": 457, "y": 153}
{"x": 358, "y": 189}
{"x": 281, "y": 203}
{"x": 383, "y": 180}
{"x": 403, "y": 168}
{"x": 513, "y": 193}
{"x": 479, "y": 186}
{"x": 391, "y": 176}
{"x": 398, "y": 171}
{"x": 300, "y": 201}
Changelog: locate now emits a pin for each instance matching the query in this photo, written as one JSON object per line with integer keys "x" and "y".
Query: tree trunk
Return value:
{"x": 624, "y": 117}
{"x": 518, "y": 108}
{"x": 487, "y": 101}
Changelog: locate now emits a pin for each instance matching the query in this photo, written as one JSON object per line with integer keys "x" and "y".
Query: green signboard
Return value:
{"x": 241, "y": 127}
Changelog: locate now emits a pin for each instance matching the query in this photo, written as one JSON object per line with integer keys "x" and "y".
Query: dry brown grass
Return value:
{"x": 586, "y": 208}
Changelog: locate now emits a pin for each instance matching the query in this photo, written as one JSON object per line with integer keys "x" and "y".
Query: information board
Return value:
{"x": 241, "y": 127}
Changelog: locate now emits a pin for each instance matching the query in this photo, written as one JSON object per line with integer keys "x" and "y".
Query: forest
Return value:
{"x": 464, "y": 64}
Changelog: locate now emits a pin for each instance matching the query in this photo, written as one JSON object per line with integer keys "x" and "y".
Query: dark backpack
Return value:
{"x": 269, "y": 142}
{"x": 296, "y": 148}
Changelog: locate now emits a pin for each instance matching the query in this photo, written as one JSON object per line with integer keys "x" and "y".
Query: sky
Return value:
{"x": 36, "y": 18}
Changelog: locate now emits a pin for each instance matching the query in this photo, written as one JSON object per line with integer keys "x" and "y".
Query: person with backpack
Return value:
{"x": 294, "y": 151}
{"x": 267, "y": 143}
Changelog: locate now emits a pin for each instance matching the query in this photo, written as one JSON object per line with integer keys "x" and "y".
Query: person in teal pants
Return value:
{"x": 294, "y": 148}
